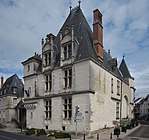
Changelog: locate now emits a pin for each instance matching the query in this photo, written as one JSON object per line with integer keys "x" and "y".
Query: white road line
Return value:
{"x": 7, "y": 137}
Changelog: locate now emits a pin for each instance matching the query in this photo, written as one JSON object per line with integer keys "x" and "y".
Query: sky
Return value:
{"x": 23, "y": 23}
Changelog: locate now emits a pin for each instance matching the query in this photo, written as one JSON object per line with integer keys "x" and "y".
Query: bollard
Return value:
{"x": 111, "y": 136}
{"x": 84, "y": 137}
{"x": 97, "y": 136}
{"x": 70, "y": 137}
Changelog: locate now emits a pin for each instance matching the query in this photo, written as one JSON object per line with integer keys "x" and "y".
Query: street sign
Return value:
{"x": 79, "y": 118}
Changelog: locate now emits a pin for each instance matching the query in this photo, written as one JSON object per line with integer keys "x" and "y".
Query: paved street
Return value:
{"x": 12, "y": 136}
{"x": 142, "y": 133}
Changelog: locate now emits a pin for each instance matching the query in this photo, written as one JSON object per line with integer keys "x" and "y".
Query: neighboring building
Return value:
{"x": 137, "y": 109}
{"x": 11, "y": 93}
{"x": 144, "y": 108}
{"x": 73, "y": 71}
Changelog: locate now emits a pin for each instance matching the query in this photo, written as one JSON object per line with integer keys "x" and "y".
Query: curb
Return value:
{"x": 125, "y": 135}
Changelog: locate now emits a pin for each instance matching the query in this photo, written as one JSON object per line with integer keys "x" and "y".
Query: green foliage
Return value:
{"x": 2, "y": 126}
{"x": 41, "y": 132}
{"x": 124, "y": 122}
{"x": 30, "y": 131}
{"x": 61, "y": 135}
{"x": 58, "y": 134}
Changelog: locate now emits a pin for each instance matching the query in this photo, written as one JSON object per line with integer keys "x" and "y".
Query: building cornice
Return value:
{"x": 62, "y": 94}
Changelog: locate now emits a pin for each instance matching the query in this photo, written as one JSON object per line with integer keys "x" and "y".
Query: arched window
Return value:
{"x": 125, "y": 106}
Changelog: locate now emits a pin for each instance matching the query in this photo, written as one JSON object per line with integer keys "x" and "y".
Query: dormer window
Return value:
{"x": 14, "y": 89}
{"x": 67, "y": 51}
{"x": 47, "y": 58}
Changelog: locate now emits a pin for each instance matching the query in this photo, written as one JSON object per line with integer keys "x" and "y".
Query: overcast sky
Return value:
{"x": 125, "y": 22}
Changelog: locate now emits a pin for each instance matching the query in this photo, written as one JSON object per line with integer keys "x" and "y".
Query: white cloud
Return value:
{"x": 125, "y": 24}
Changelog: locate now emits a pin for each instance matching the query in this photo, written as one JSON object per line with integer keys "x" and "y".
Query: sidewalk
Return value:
{"x": 12, "y": 129}
{"x": 104, "y": 134}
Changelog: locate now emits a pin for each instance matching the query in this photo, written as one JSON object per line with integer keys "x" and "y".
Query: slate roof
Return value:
{"x": 84, "y": 35}
{"x": 138, "y": 100}
{"x": 35, "y": 57}
{"x": 20, "y": 105}
{"x": 124, "y": 70}
{"x": 147, "y": 97}
{"x": 10, "y": 83}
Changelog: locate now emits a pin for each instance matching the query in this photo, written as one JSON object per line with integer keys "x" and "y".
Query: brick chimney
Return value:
{"x": 2, "y": 81}
{"x": 98, "y": 34}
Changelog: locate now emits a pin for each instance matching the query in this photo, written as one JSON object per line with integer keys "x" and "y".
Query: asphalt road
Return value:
{"x": 141, "y": 132}
{"x": 12, "y": 136}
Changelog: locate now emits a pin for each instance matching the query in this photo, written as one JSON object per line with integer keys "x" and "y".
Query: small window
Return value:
{"x": 28, "y": 68}
{"x": 14, "y": 101}
{"x": 31, "y": 115}
{"x": 47, "y": 127}
{"x": 117, "y": 110}
{"x": 111, "y": 85}
{"x": 63, "y": 128}
{"x": 14, "y": 89}
{"x": 118, "y": 87}
{"x": 29, "y": 91}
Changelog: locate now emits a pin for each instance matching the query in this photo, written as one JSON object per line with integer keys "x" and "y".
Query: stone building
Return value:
{"x": 75, "y": 74}
{"x": 144, "y": 108}
{"x": 11, "y": 93}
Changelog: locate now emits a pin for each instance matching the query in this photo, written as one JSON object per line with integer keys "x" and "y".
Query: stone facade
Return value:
{"x": 75, "y": 71}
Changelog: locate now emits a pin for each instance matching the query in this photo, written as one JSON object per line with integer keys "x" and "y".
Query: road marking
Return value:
{"x": 7, "y": 137}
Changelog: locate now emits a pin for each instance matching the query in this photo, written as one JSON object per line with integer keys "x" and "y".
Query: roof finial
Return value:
{"x": 70, "y": 5}
{"x": 123, "y": 55}
{"x": 79, "y": 1}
